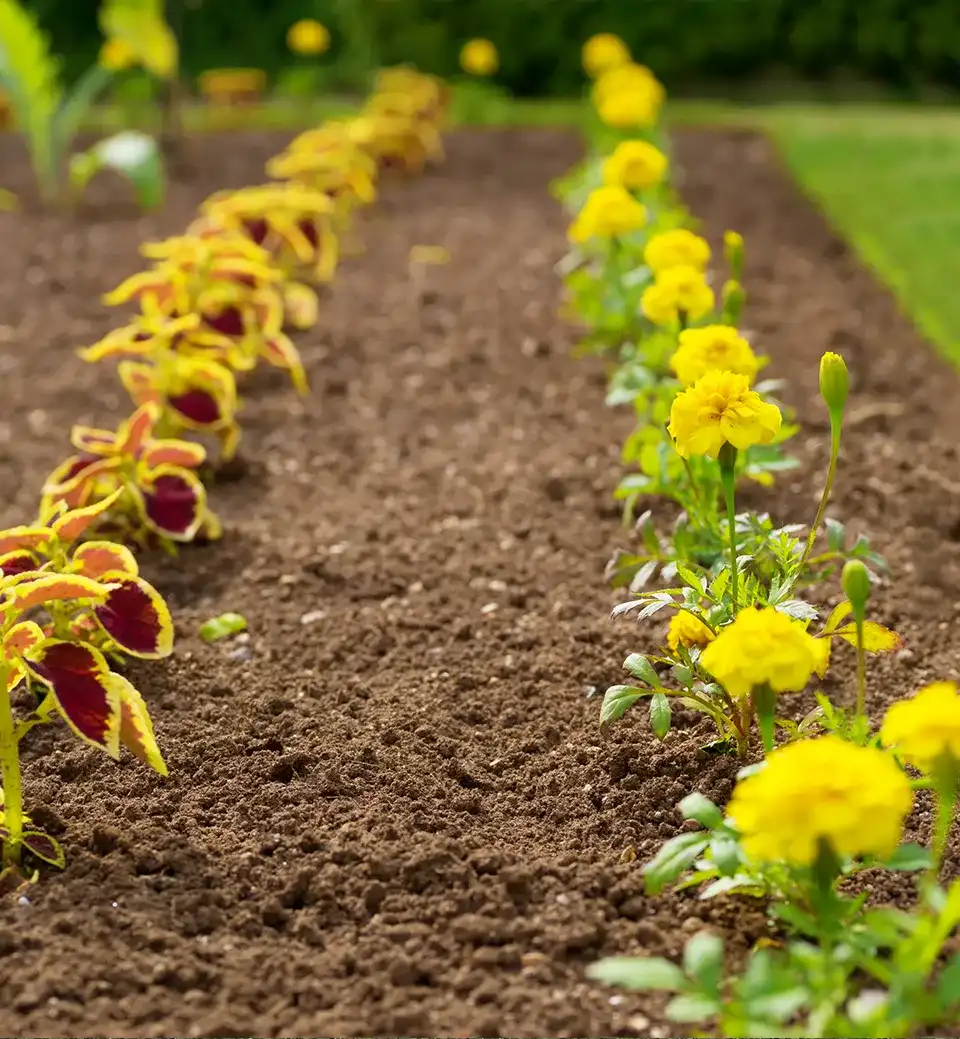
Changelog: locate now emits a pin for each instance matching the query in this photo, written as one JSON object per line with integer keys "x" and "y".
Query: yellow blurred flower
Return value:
{"x": 687, "y": 630}
{"x": 116, "y": 55}
{"x": 676, "y": 291}
{"x": 712, "y": 348}
{"x": 925, "y": 727}
{"x": 678, "y": 248}
{"x": 720, "y": 408}
{"x": 479, "y": 58}
{"x": 853, "y": 798}
{"x": 762, "y": 647}
{"x": 610, "y": 211}
{"x": 308, "y": 36}
{"x": 602, "y": 52}
{"x": 635, "y": 165}
{"x": 628, "y": 96}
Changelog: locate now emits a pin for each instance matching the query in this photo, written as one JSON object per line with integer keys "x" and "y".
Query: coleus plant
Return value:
{"x": 162, "y": 500}
{"x": 59, "y": 601}
{"x": 194, "y": 392}
{"x": 233, "y": 286}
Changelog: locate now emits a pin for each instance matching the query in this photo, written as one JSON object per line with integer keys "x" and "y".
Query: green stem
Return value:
{"x": 728, "y": 459}
{"x": 765, "y": 705}
{"x": 861, "y": 670}
{"x": 835, "y": 428}
{"x": 10, "y": 774}
{"x": 945, "y": 791}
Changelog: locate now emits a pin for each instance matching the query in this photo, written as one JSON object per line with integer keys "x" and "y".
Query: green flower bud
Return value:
{"x": 733, "y": 252}
{"x": 834, "y": 382}
{"x": 734, "y": 298}
{"x": 855, "y": 581}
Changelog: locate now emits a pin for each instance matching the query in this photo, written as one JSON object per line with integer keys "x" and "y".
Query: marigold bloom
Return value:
{"x": 762, "y": 647}
{"x": 853, "y": 798}
{"x": 678, "y": 248}
{"x": 602, "y": 52}
{"x": 676, "y": 291}
{"x": 308, "y": 36}
{"x": 479, "y": 58}
{"x": 635, "y": 165}
{"x": 925, "y": 727}
{"x": 628, "y": 96}
{"x": 610, "y": 211}
{"x": 712, "y": 348}
{"x": 116, "y": 55}
{"x": 687, "y": 630}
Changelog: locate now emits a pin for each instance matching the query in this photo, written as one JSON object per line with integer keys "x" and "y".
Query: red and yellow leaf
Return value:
{"x": 44, "y": 847}
{"x": 134, "y": 432}
{"x": 23, "y": 537}
{"x": 155, "y": 282}
{"x": 135, "y": 617}
{"x": 174, "y": 502}
{"x": 75, "y": 480}
{"x": 300, "y": 304}
{"x": 76, "y": 522}
{"x": 78, "y": 677}
{"x": 18, "y": 562}
{"x": 96, "y": 558}
{"x": 180, "y": 453}
{"x": 139, "y": 381}
{"x": 99, "y": 443}
{"x": 136, "y": 728}
{"x": 56, "y": 588}
{"x": 280, "y": 351}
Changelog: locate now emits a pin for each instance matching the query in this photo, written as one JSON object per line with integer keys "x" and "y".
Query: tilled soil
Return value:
{"x": 390, "y": 812}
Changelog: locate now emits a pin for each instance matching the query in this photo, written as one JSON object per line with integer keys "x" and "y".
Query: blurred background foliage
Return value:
{"x": 902, "y": 47}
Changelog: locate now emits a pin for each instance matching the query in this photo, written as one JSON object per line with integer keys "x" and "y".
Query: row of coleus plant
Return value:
{"x": 216, "y": 302}
{"x": 824, "y": 795}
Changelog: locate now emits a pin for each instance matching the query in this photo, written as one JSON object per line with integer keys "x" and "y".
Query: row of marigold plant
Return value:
{"x": 215, "y": 303}
{"x": 824, "y": 795}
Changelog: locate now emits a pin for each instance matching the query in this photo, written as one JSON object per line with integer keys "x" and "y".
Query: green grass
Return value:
{"x": 887, "y": 175}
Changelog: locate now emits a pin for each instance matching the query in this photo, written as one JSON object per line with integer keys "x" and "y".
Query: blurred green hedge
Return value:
{"x": 900, "y": 42}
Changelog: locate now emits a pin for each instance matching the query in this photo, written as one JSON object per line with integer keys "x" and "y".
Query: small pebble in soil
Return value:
{"x": 312, "y": 616}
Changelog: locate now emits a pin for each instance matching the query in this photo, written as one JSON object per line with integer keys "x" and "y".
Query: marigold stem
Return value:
{"x": 861, "y": 670}
{"x": 10, "y": 773}
{"x": 835, "y": 427}
{"x": 945, "y": 791}
{"x": 728, "y": 460}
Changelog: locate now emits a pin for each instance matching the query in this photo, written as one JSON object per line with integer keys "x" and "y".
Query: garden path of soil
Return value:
{"x": 391, "y": 811}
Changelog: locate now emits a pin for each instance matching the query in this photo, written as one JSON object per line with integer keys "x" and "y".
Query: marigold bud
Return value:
{"x": 733, "y": 251}
{"x": 855, "y": 581}
{"x": 834, "y": 381}
{"x": 734, "y": 298}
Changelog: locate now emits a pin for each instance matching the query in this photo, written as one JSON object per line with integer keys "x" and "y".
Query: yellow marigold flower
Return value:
{"x": 479, "y": 58}
{"x": 635, "y": 165}
{"x": 610, "y": 211}
{"x": 853, "y": 798}
{"x": 925, "y": 727}
{"x": 762, "y": 647}
{"x": 679, "y": 248}
{"x": 720, "y": 408}
{"x": 602, "y": 52}
{"x": 712, "y": 348}
{"x": 308, "y": 36}
{"x": 674, "y": 291}
{"x": 116, "y": 55}
{"x": 628, "y": 96}
{"x": 687, "y": 630}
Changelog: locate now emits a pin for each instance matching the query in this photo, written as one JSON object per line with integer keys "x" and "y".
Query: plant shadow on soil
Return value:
{"x": 395, "y": 814}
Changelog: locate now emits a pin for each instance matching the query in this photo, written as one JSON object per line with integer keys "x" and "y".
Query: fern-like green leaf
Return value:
{"x": 31, "y": 76}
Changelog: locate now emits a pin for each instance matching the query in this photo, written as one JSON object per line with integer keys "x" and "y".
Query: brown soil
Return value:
{"x": 390, "y": 812}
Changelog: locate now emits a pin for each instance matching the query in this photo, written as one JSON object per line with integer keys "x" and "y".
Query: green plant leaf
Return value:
{"x": 638, "y": 666}
{"x": 660, "y": 714}
{"x": 638, "y": 974}
{"x": 222, "y": 627}
{"x": 702, "y": 810}
{"x": 78, "y": 103}
{"x": 133, "y": 155}
{"x": 909, "y": 857}
{"x": 672, "y": 859}
{"x": 140, "y": 25}
{"x": 703, "y": 960}
{"x": 691, "y": 1007}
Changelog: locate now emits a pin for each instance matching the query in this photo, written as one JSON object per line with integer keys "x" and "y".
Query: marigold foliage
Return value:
{"x": 712, "y": 348}
{"x": 925, "y": 728}
{"x": 762, "y": 647}
{"x": 854, "y": 799}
